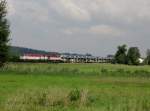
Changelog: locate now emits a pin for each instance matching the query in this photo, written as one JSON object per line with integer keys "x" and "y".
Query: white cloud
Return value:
{"x": 74, "y": 31}
{"x": 104, "y": 30}
{"x": 85, "y": 10}
{"x": 69, "y": 9}
{"x": 68, "y": 32}
{"x": 126, "y": 10}
{"x": 28, "y": 10}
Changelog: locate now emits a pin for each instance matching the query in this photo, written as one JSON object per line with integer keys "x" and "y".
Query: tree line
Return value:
{"x": 130, "y": 56}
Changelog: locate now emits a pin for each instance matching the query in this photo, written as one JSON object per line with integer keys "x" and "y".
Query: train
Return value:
{"x": 66, "y": 58}
{"x": 41, "y": 57}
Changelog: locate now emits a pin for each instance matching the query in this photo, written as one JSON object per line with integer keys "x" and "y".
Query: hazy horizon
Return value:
{"x": 80, "y": 26}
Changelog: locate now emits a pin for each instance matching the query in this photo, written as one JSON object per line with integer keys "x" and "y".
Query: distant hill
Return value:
{"x": 17, "y": 51}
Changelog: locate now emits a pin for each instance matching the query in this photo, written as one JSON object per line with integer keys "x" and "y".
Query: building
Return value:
{"x": 141, "y": 60}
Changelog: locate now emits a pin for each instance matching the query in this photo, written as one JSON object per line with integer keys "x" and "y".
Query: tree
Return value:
{"x": 148, "y": 57}
{"x": 120, "y": 56}
{"x": 4, "y": 33}
{"x": 133, "y": 56}
{"x": 14, "y": 58}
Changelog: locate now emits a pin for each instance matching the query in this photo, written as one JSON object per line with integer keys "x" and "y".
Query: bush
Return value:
{"x": 104, "y": 71}
{"x": 74, "y": 95}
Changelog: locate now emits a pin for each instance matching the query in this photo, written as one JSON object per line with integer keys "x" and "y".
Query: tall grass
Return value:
{"x": 48, "y": 100}
{"x": 75, "y": 100}
{"x": 102, "y": 70}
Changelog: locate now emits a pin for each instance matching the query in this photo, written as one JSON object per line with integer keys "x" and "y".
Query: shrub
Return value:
{"x": 74, "y": 95}
{"x": 104, "y": 70}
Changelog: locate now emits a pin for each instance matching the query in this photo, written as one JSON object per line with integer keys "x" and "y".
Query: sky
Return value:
{"x": 80, "y": 26}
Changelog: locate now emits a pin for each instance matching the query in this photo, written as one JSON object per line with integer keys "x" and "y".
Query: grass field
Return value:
{"x": 74, "y": 87}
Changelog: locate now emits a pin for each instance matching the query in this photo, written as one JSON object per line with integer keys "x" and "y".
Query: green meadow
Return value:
{"x": 74, "y": 87}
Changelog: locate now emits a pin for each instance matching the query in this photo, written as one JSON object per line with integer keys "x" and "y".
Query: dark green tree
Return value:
{"x": 120, "y": 56}
{"x": 148, "y": 57}
{"x": 133, "y": 56}
{"x": 4, "y": 33}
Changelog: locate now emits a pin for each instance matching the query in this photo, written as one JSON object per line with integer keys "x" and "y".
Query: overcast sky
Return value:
{"x": 81, "y": 26}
